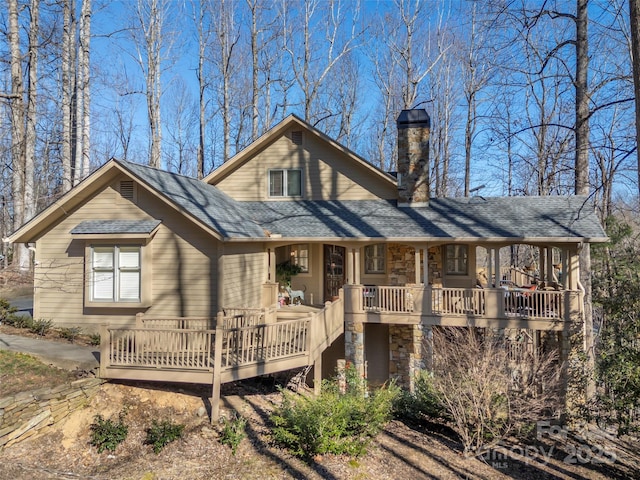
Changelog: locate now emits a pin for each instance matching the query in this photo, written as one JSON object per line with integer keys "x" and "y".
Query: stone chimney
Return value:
{"x": 414, "y": 127}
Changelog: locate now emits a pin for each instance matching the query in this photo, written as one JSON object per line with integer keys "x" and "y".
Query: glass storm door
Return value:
{"x": 333, "y": 271}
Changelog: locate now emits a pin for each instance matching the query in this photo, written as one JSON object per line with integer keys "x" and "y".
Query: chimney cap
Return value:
{"x": 413, "y": 119}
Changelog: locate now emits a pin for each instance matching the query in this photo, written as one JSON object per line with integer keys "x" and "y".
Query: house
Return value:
{"x": 148, "y": 255}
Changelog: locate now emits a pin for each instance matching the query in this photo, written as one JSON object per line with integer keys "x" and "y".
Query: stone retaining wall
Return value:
{"x": 27, "y": 413}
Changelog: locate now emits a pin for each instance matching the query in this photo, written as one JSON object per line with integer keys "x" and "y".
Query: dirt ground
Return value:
{"x": 400, "y": 452}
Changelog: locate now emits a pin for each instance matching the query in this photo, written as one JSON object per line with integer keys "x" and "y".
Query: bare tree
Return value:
{"x": 181, "y": 122}
{"x": 151, "y": 40}
{"x": 67, "y": 87}
{"x": 83, "y": 96}
{"x": 634, "y": 15}
{"x": 316, "y": 50}
{"x": 227, "y": 36}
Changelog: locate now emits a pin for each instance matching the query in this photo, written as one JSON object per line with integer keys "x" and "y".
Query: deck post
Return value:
{"x": 217, "y": 370}
{"x": 317, "y": 375}
{"x": 105, "y": 341}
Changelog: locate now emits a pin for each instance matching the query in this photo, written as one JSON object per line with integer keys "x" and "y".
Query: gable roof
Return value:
{"x": 274, "y": 134}
{"x": 527, "y": 219}
{"x": 206, "y": 206}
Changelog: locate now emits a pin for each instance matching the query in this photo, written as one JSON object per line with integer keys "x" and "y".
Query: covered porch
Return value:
{"x": 455, "y": 284}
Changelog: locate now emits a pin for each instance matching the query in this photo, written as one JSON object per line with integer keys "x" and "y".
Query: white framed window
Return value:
{"x": 115, "y": 273}
{"x": 374, "y": 258}
{"x": 285, "y": 183}
{"x": 457, "y": 260}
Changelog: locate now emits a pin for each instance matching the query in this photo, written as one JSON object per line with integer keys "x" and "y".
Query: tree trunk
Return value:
{"x": 634, "y": 14}
{"x": 20, "y": 255}
{"x": 68, "y": 36}
{"x": 582, "y": 176}
{"x": 83, "y": 96}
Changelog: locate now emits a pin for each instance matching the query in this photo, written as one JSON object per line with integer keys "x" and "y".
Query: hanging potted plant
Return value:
{"x": 285, "y": 271}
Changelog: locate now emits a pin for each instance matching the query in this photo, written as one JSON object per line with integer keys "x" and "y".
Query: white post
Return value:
{"x": 357, "y": 267}
{"x": 350, "y": 279}
{"x": 417, "y": 265}
{"x": 497, "y": 267}
{"x": 425, "y": 266}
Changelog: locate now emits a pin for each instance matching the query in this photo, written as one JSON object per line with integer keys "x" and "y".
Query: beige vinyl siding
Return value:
{"x": 244, "y": 273}
{"x": 184, "y": 266}
{"x": 328, "y": 174}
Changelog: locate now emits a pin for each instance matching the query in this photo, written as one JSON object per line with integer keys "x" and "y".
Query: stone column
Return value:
{"x": 354, "y": 345}
{"x": 405, "y": 352}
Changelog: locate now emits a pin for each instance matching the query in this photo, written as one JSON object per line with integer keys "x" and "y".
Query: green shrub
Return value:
{"x": 422, "y": 403}
{"x": 40, "y": 326}
{"x": 162, "y": 433}
{"x": 7, "y": 311}
{"x": 20, "y": 321}
{"x": 108, "y": 434}
{"x": 233, "y": 432}
{"x": 94, "y": 339}
{"x": 333, "y": 422}
{"x": 70, "y": 333}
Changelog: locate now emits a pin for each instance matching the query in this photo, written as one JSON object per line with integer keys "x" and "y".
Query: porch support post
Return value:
{"x": 489, "y": 266}
{"x": 405, "y": 343}
{"x": 427, "y": 350}
{"x": 271, "y": 264}
{"x": 550, "y": 276}
{"x": 425, "y": 266}
{"x": 356, "y": 265}
{"x": 497, "y": 267}
{"x": 573, "y": 272}
{"x": 354, "y": 345}
{"x": 350, "y": 279}
{"x": 416, "y": 257}
{"x": 542, "y": 268}
{"x": 565, "y": 268}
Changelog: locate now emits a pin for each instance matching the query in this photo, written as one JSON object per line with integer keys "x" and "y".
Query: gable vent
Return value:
{"x": 126, "y": 189}
{"x": 296, "y": 137}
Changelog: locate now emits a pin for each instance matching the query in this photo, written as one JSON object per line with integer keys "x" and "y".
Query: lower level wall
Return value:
{"x": 27, "y": 413}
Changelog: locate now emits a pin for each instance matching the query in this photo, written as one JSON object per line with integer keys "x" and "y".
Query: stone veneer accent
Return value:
{"x": 27, "y": 413}
{"x": 354, "y": 345}
{"x": 414, "y": 128}
{"x": 405, "y": 348}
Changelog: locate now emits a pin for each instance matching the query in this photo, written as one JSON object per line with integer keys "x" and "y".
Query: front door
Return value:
{"x": 333, "y": 271}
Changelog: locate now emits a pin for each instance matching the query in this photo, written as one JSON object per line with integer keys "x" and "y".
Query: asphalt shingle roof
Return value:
{"x": 115, "y": 226}
{"x": 446, "y": 218}
{"x": 205, "y": 202}
{"x": 471, "y": 218}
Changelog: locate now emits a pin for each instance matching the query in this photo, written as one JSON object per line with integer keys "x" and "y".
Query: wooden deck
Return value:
{"x": 243, "y": 344}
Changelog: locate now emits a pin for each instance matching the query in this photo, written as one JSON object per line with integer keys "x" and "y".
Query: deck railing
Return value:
{"x": 160, "y": 348}
{"x": 245, "y": 338}
{"x": 547, "y": 305}
{"x": 458, "y": 301}
{"x": 489, "y": 303}
{"x": 263, "y": 343}
{"x": 387, "y": 299}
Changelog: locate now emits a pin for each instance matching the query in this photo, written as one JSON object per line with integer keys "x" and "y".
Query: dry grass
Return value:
{"x": 21, "y": 373}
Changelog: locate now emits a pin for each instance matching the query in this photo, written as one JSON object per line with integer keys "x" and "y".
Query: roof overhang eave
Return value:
{"x": 496, "y": 240}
